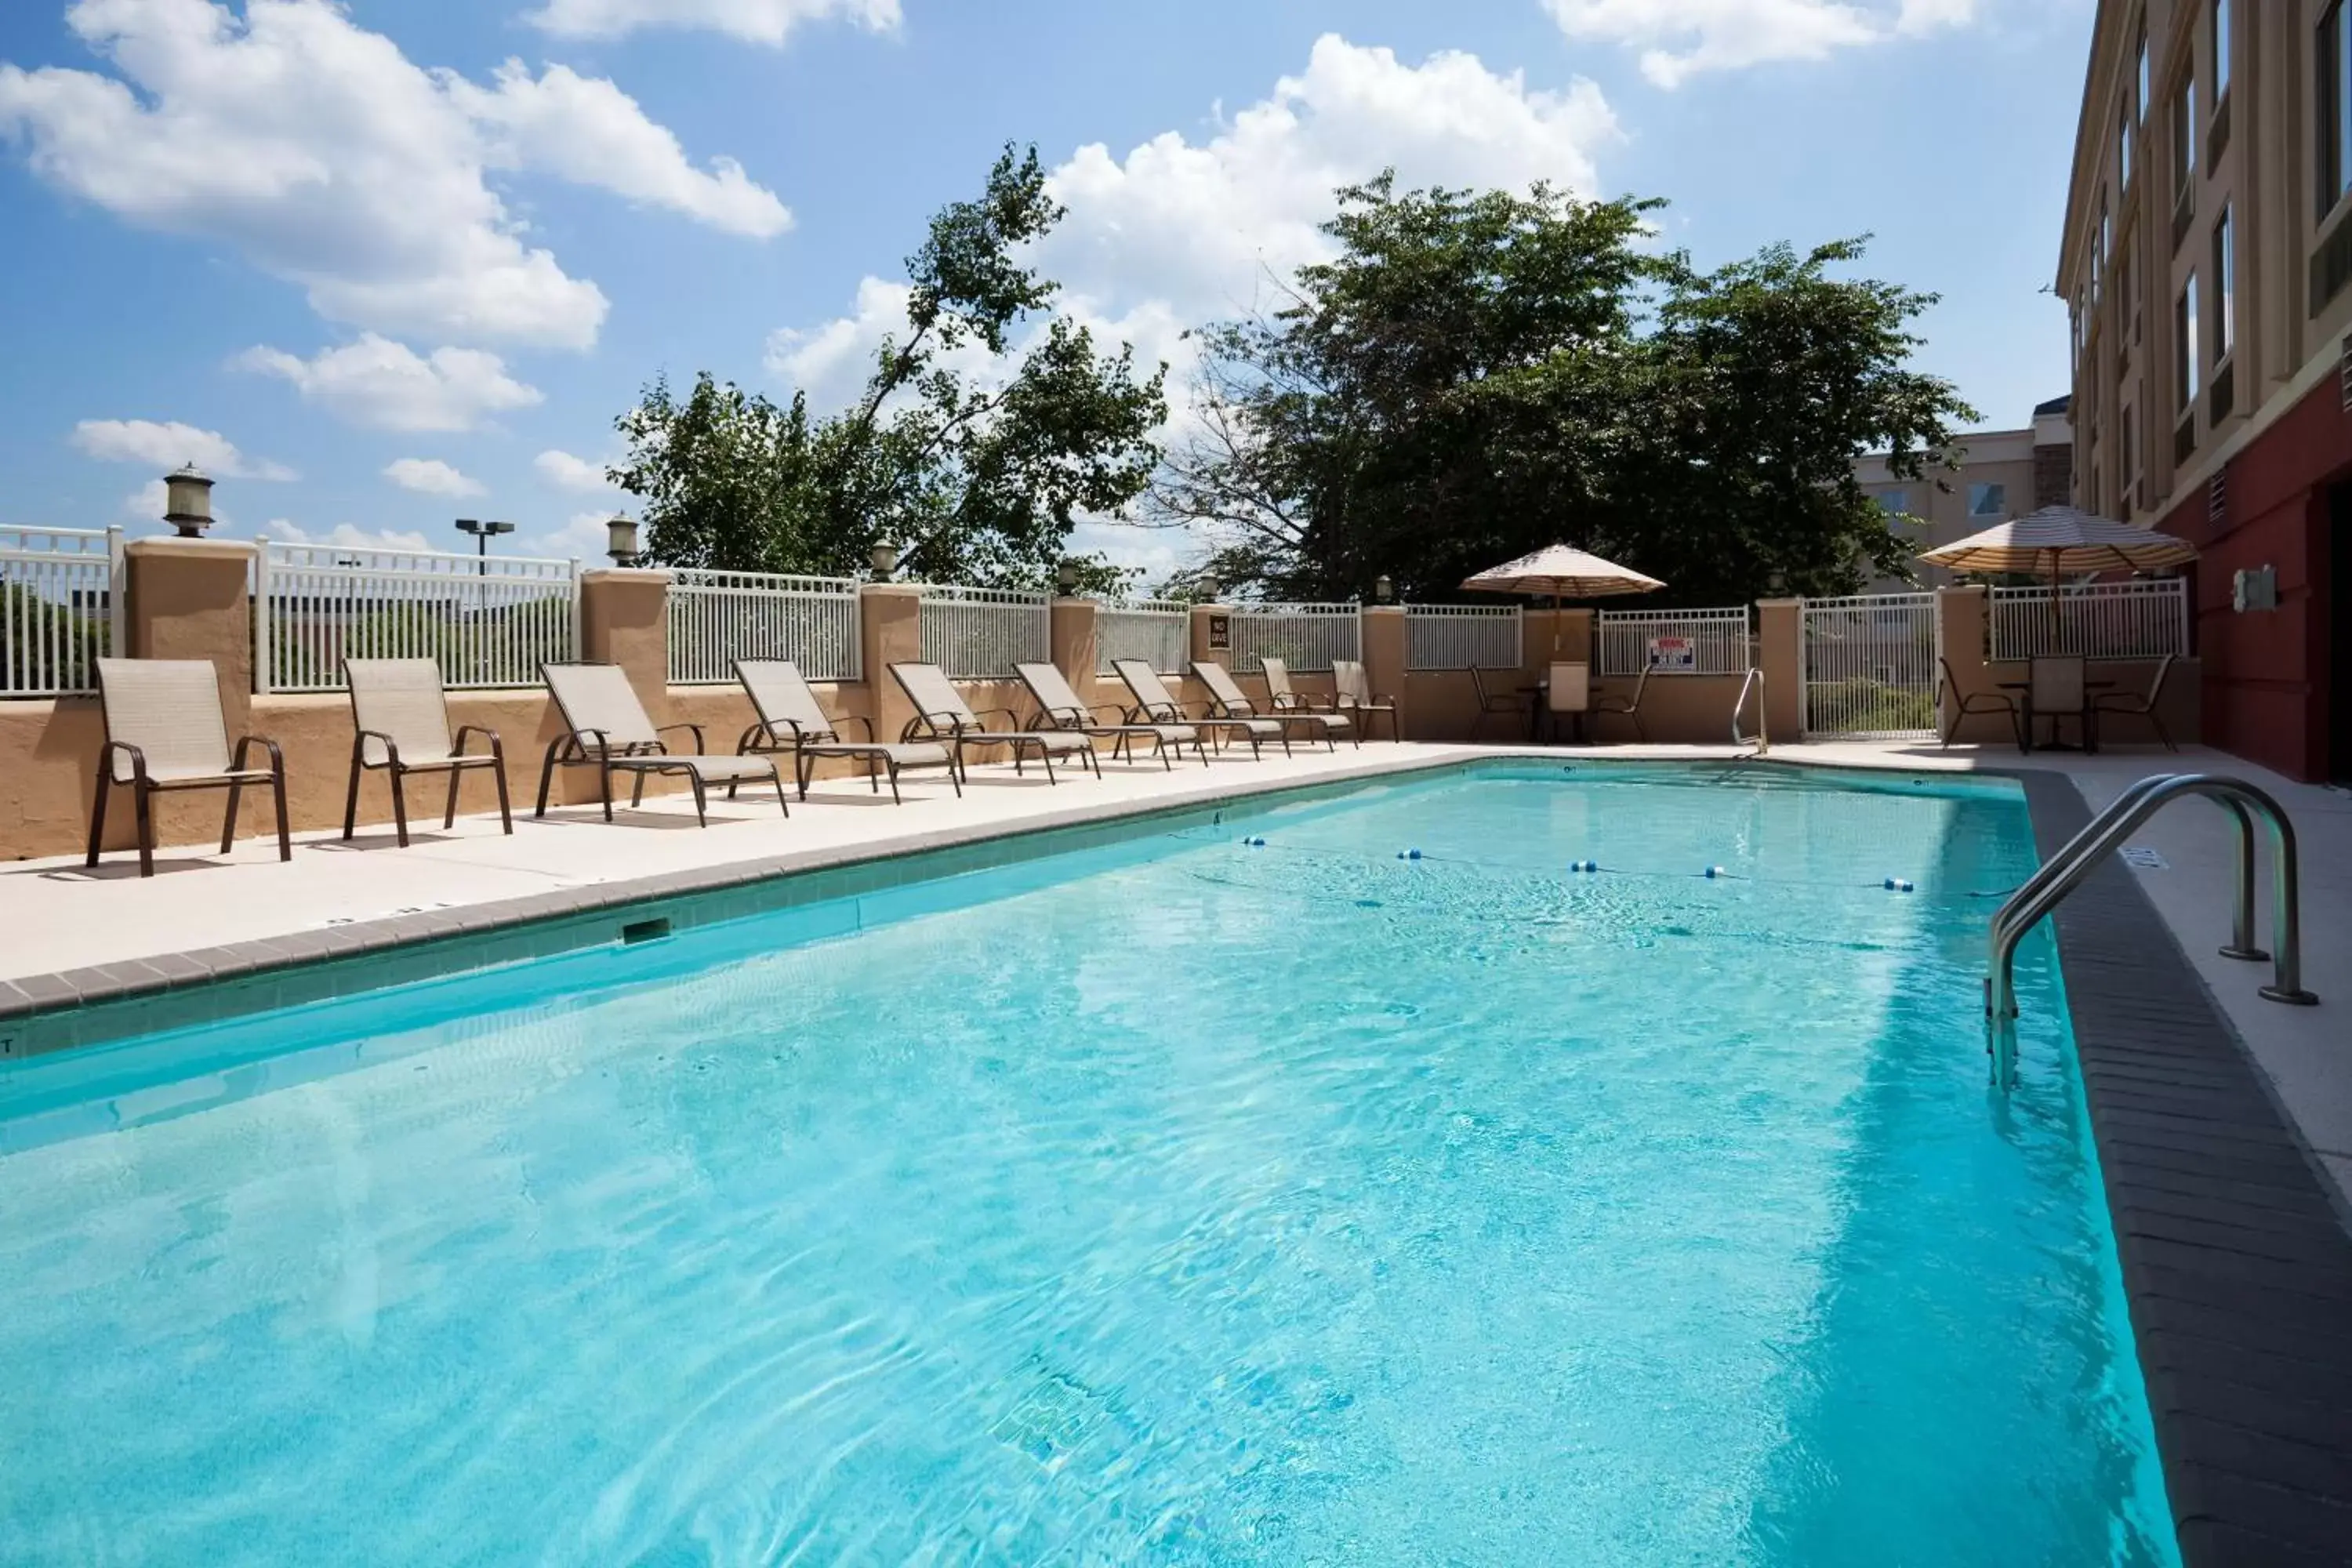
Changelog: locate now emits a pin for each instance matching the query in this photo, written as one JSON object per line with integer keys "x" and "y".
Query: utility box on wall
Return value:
{"x": 2254, "y": 589}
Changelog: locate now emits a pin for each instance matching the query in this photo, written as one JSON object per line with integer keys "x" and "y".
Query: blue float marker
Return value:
{"x": 1897, "y": 885}
{"x": 1715, "y": 871}
{"x": 1584, "y": 865}
{"x": 1408, "y": 854}
{"x": 1254, "y": 842}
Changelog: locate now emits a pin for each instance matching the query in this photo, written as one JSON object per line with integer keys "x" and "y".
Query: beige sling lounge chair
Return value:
{"x": 401, "y": 717}
{"x": 791, "y": 721}
{"x": 1231, "y": 703}
{"x": 941, "y": 715}
{"x": 1155, "y": 704}
{"x": 1058, "y": 708}
{"x": 1355, "y": 697}
{"x": 165, "y": 731}
{"x": 1291, "y": 703}
{"x": 605, "y": 728}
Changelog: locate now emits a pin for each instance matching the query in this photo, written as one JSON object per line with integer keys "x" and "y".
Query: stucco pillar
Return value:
{"x": 1961, "y": 637}
{"x": 189, "y": 599}
{"x": 889, "y": 631}
{"x": 1384, "y": 656}
{"x": 624, "y": 620}
{"x": 1780, "y": 655}
{"x": 1077, "y": 643}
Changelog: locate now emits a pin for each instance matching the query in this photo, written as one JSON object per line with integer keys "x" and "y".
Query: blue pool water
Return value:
{"x": 1182, "y": 1201}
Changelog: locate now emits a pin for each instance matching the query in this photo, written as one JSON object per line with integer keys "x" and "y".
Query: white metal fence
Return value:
{"x": 60, "y": 608}
{"x": 1457, "y": 637}
{"x": 980, "y": 633}
{"x": 717, "y": 617}
{"x": 1157, "y": 630}
{"x": 1304, "y": 636}
{"x": 2098, "y": 620}
{"x": 486, "y": 621}
{"x": 1870, "y": 666}
{"x": 1675, "y": 642}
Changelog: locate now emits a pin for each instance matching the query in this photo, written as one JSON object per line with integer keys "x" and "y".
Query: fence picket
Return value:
{"x": 486, "y": 621}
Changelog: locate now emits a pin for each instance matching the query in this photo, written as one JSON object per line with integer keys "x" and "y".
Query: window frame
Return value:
{"x": 2219, "y": 32}
{"x": 2184, "y": 145}
{"x": 2224, "y": 262}
{"x": 2332, "y": 106}
{"x": 1991, "y": 490}
{"x": 2188, "y": 363}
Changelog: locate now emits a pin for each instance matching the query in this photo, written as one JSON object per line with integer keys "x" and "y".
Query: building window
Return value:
{"x": 2131, "y": 452}
{"x": 2122, "y": 148}
{"x": 2184, "y": 147}
{"x": 1895, "y": 503}
{"x": 2185, "y": 363}
{"x": 2099, "y": 249}
{"x": 2335, "y": 99}
{"x": 2225, "y": 287}
{"x": 1988, "y": 500}
{"x": 2128, "y": 291}
{"x": 2139, "y": 73}
{"x": 2220, "y": 51}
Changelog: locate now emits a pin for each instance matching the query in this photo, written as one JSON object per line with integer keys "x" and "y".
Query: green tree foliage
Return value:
{"x": 975, "y": 478}
{"x": 1478, "y": 374}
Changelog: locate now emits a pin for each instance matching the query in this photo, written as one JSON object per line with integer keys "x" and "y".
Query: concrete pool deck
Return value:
{"x": 76, "y": 934}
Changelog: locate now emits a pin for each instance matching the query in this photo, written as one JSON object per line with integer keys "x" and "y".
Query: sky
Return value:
{"x": 378, "y": 264}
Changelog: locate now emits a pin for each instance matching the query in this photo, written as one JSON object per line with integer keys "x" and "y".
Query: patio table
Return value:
{"x": 2083, "y": 716}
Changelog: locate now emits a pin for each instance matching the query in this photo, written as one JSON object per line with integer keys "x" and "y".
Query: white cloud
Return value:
{"x": 346, "y": 536}
{"x": 567, "y": 472}
{"x": 432, "y": 477}
{"x": 754, "y": 21}
{"x": 387, "y": 385}
{"x": 169, "y": 445}
{"x": 1680, "y": 39}
{"x": 323, "y": 154}
{"x": 1182, "y": 231}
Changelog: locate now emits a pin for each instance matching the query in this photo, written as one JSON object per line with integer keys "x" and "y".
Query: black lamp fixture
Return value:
{"x": 621, "y": 540}
{"x": 1210, "y": 588}
{"x": 885, "y": 560}
{"x": 1066, "y": 577}
{"x": 483, "y": 534}
{"x": 1383, "y": 590}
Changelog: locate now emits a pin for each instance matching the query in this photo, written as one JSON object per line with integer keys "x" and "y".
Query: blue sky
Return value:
{"x": 387, "y": 263}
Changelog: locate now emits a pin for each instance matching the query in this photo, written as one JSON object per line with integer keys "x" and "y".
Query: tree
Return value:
{"x": 1477, "y": 374}
{"x": 976, "y": 476}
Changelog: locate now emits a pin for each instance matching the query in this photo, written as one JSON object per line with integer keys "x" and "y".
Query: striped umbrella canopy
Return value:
{"x": 2062, "y": 542}
{"x": 1563, "y": 572}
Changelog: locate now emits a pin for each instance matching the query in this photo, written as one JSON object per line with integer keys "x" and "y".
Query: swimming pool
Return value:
{"x": 1186, "y": 1200}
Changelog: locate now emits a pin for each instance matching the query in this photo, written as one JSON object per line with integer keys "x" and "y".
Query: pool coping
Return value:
{"x": 2236, "y": 1261}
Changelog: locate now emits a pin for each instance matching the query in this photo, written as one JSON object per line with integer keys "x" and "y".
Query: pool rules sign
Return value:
{"x": 1674, "y": 656}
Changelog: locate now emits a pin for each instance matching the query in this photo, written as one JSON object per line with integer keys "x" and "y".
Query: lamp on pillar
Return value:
{"x": 621, "y": 540}
{"x": 188, "y": 500}
{"x": 885, "y": 560}
{"x": 1066, "y": 577}
{"x": 1210, "y": 588}
{"x": 1383, "y": 590}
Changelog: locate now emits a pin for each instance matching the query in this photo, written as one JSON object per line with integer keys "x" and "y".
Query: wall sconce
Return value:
{"x": 188, "y": 501}
{"x": 884, "y": 557}
{"x": 621, "y": 540}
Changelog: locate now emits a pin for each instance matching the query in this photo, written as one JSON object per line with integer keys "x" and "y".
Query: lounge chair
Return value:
{"x": 1288, "y": 702}
{"x": 941, "y": 715}
{"x": 792, "y": 721}
{"x": 1627, "y": 707}
{"x": 1154, "y": 704}
{"x": 605, "y": 728}
{"x": 1972, "y": 703}
{"x": 1503, "y": 704}
{"x": 1229, "y": 702}
{"x": 165, "y": 731}
{"x": 1058, "y": 708}
{"x": 1355, "y": 698}
{"x": 400, "y": 717}
{"x": 2132, "y": 704}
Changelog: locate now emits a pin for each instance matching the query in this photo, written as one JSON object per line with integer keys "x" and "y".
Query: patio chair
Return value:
{"x": 1627, "y": 707}
{"x": 791, "y": 721}
{"x": 1228, "y": 702}
{"x": 1974, "y": 702}
{"x": 1058, "y": 708}
{"x": 605, "y": 728}
{"x": 400, "y": 719}
{"x": 1154, "y": 704}
{"x": 2138, "y": 706}
{"x": 1288, "y": 703}
{"x": 1354, "y": 696}
{"x": 1568, "y": 694}
{"x": 165, "y": 731}
{"x": 941, "y": 715}
{"x": 2056, "y": 688}
{"x": 1494, "y": 704}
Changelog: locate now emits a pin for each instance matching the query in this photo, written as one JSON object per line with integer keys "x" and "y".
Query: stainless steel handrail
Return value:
{"x": 1755, "y": 682}
{"x": 2089, "y": 848}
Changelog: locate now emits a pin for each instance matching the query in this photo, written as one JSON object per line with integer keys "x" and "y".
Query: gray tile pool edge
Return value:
{"x": 2236, "y": 1264}
{"x": 42, "y": 1013}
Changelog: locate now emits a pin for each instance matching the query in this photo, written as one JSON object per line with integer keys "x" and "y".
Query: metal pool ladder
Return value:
{"x": 2065, "y": 871}
{"x": 1755, "y": 682}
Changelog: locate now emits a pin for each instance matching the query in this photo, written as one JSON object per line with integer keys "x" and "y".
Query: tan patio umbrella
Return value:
{"x": 2061, "y": 542}
{"x": 1562, "y": 572}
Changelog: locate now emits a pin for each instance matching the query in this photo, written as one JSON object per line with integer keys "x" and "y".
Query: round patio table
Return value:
{"x": 2091, "y": 689}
